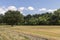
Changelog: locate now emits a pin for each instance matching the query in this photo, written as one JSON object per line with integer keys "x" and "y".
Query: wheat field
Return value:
{"x": 29, "y": 32}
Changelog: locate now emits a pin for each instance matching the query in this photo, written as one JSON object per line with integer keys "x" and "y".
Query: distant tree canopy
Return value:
{"x": 16, "y": 18}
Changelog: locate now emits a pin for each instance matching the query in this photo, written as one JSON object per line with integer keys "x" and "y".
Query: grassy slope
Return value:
{"x": 43, "y": 31}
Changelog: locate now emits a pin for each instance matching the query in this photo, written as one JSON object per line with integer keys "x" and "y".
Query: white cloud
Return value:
{"x": 30, "y": 8}
{"x": 2, "y": 10}
{"x": 47, "y": 10}
{"x": 42, "y": 9}
{"x": 21, "y": 8}
{"x": 51, "y": 10}
{"x": 13, "y": 8}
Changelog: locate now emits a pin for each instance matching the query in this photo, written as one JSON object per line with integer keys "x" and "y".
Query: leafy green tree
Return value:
{"x": 27, "y": 18}
{"x": 44, "y": 18}
{"x": 57, "y": 16}
{"x": 53, "y": 20}
{"x": 36, "y": 15}
{"x": 57, "y": 13}
{"x": 13, "y": 17}
{"x": 33, "y": 21}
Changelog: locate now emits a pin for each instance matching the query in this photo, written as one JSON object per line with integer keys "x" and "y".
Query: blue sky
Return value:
{"x": 35, "y": 5}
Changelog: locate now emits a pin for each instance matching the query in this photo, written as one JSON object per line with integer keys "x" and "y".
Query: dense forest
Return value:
{"x": 16, "y": 18}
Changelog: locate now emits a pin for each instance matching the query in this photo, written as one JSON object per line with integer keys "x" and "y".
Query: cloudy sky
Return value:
{"x": 29, "y": 6}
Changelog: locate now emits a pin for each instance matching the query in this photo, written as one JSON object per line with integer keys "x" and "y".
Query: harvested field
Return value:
{"x": 29, "y": 32}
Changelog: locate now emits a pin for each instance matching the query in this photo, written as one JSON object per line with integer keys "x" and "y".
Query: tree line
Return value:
{"x": 16, "y": 18}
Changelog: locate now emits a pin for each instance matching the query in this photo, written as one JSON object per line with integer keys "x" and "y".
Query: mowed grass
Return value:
{"x": 50, "y": 32}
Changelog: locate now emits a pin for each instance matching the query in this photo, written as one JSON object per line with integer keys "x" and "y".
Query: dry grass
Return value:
{"x": 50, "y": 32}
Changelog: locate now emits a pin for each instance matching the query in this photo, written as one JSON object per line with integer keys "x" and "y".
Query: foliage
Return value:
{"x": 15, "y": 17}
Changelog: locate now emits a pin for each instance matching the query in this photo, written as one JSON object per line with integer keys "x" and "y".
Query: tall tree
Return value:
{"x": 13, "y": 17}
{"x": 27, "y": 18}
{"x": 57, "y": 15}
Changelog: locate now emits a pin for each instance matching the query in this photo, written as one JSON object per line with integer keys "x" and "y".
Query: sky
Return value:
{"x": 29, "y": 6}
